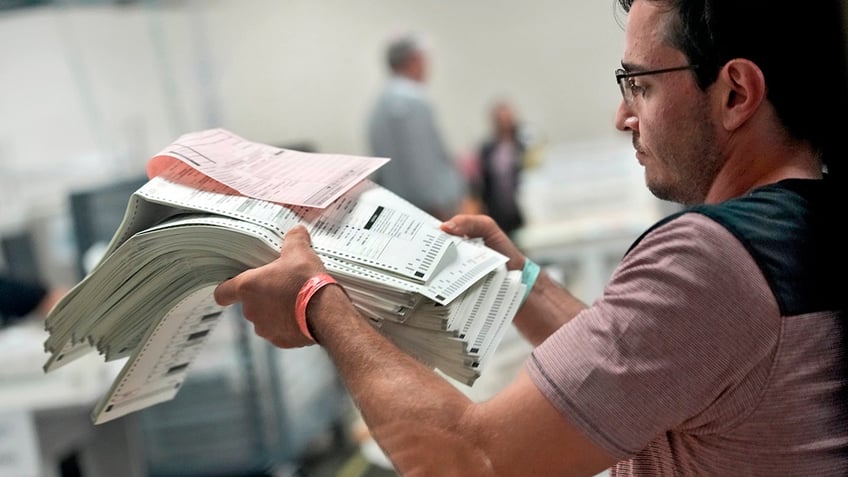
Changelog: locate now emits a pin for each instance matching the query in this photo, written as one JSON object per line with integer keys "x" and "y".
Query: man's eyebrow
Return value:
{"x": 631, "y": 67}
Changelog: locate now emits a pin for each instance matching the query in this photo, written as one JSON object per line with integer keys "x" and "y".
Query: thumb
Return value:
{"x": 226, "y": 293}
{"x": 297, "y": 235}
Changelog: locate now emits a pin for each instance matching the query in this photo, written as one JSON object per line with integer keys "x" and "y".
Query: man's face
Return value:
{"x": 669, "y": 117}
{"x": 417, "y": 66}
{"x": 503, "y": 118}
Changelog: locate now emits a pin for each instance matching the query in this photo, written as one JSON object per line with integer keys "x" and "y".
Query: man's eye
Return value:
{"x": 636, "y": 89}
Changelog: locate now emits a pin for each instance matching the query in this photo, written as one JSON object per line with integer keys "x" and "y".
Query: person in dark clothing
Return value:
{"x": 501, "y": 157}
{"x": 19, "y": 299}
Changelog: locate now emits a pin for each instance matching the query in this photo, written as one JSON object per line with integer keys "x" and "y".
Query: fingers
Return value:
{"x": 227, "y": 293}
{"x": 468, "y": 225}
{"x": 484, "y": 227}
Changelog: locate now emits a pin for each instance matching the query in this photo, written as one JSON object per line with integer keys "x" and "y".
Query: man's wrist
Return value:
{"x": 529, "y": 275}
{"x": 307, "y": 291}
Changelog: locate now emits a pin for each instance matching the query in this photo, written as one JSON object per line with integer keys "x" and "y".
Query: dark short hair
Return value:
{"x": 400, "y": 50}
{"x": 799, "y": 46}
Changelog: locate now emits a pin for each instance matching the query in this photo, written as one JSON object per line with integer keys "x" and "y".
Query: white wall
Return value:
{"x": 87, "y": 94}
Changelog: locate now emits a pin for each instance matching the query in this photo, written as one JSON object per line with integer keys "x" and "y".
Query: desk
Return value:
{"x": 59, "y": 405}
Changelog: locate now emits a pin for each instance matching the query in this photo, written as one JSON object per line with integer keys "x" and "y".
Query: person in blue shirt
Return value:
{"x": 402, "y": 126}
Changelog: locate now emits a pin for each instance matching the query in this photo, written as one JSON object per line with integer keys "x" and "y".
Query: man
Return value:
{"x": 403, "y": 127}
{"x": 718, "y": 347}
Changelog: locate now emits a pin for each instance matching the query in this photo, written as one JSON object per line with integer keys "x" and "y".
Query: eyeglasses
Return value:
{"x": 629, "y": 88}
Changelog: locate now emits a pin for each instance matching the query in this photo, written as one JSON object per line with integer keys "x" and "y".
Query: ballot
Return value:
{"x": 216, "y": 205}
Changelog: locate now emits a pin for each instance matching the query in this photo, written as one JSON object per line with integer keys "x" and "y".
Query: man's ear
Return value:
{"x": 743, "y": 90}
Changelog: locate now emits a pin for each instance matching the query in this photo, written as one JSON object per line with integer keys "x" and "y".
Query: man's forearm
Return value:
{"x": 415, "y": 415}
{"x": 547, "y": 308}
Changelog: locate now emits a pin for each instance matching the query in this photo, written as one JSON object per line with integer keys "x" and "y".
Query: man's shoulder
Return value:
{"x": 404, "y": 89}
{"x": 789, "y": 232}
{"x": 397, "y": 100}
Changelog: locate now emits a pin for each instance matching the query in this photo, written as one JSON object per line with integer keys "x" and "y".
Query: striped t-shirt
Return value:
{"x": 711, "y": 353}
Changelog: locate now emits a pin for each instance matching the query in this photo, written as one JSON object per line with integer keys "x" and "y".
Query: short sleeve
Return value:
{"x": 686, "y": 317}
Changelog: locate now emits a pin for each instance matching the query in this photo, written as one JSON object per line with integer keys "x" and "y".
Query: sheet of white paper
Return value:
{"x": 359, "y": 227}
{"x": 155, "y": 371}
{"x": 266, "y": 172}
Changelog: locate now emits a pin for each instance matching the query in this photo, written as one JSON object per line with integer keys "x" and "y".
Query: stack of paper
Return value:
{"x": 442, "y": 299}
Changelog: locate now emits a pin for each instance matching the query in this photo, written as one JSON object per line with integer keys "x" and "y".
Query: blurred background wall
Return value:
{"x": 90, "y": 89}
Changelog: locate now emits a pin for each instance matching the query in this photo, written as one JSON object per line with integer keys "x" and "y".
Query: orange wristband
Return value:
{"x": 304, "y": 295}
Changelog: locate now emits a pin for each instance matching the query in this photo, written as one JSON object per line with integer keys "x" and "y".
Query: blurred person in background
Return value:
{"x": 500, "y": 161}
{"x": 403, "y": 127}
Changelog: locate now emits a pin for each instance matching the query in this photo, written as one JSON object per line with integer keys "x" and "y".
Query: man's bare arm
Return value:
{"x": 425, "y": 425}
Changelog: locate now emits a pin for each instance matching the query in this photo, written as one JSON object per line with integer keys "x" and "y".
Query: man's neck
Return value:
{"x": 750, "y": 168}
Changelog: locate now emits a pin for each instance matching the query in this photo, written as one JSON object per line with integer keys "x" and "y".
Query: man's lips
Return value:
{"x": 640, "y": 153}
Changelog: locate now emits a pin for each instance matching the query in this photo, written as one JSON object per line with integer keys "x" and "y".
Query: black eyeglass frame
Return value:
{"x": 621, "y": 74}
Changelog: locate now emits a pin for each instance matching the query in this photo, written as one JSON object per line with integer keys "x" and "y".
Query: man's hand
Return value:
{"x": 268, "y": 293}
{"x": 483, "y": 226}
